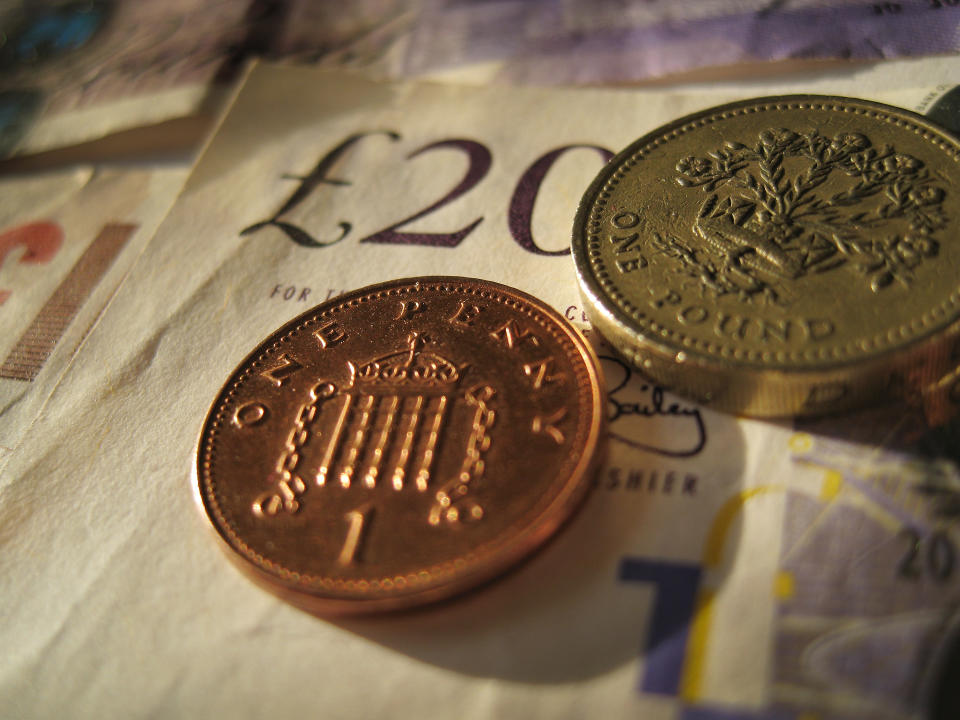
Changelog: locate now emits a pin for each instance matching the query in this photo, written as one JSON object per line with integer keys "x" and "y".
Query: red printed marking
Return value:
{"x": 41, "y": 239}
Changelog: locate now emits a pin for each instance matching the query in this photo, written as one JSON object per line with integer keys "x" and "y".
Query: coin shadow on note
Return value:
{"x": 928, "y": 437}
{"x": 578, "y": 609}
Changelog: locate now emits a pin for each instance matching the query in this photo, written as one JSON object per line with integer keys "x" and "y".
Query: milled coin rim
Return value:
{"x": 497, "y": 555}
{"x": 604, "y": 300}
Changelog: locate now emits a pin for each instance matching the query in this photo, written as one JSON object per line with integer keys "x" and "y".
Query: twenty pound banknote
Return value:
{"x": 722, "y": 568}
{"x": 72, "y": 72}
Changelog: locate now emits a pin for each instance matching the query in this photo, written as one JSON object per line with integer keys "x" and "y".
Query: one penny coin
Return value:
{"x": 779, "y": 256}
{"x": 401, "y": 443}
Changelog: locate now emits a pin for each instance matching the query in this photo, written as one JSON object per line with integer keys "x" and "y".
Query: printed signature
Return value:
{"x": 632, "y": 404}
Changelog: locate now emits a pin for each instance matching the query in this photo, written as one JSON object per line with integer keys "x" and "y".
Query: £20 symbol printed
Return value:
{"x": 479, "y": 159}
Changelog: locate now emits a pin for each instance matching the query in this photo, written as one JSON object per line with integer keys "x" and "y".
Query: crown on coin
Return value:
{"x": 412, "y": 367}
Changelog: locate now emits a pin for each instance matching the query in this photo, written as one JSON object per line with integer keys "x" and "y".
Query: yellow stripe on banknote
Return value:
{"x": 783, "y": 585}
{"x": 801, "y": 443}
{"x": 716, "y": 538}
{"x": 695, "y": 665}
{"x": 832, "y": 483}
{"x": 693, "y": 669}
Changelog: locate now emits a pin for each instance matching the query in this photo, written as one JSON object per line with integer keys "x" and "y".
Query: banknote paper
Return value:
{"x": 67, "y": 239}
{"x": 74, "y": 72}
{"x": 77, "y": 71}
{"x": 71, "y": 72}
{"x": 721, "y": 569}
{"x": 552, "y": 43}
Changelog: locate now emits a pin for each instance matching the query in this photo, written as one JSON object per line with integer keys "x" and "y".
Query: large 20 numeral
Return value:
{"x": 479, "y": 157}
{"x": 520, "y": 215}
{"x": 480, "y": 160}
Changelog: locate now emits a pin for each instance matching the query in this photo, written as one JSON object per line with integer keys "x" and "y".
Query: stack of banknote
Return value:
{"x": 73, "y": 72}
{"x": 722, "y": 568}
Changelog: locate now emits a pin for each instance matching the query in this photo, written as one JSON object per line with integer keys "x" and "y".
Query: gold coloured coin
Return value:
{"x": 401, "y": 443}
{"x": 778, "y": 256}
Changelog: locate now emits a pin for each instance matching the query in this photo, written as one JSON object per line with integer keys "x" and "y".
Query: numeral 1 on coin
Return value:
{"x": 359, "y": 520}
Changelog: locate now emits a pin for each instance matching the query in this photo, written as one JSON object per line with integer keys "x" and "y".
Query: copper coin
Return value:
{"x": 401, "y": 443}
